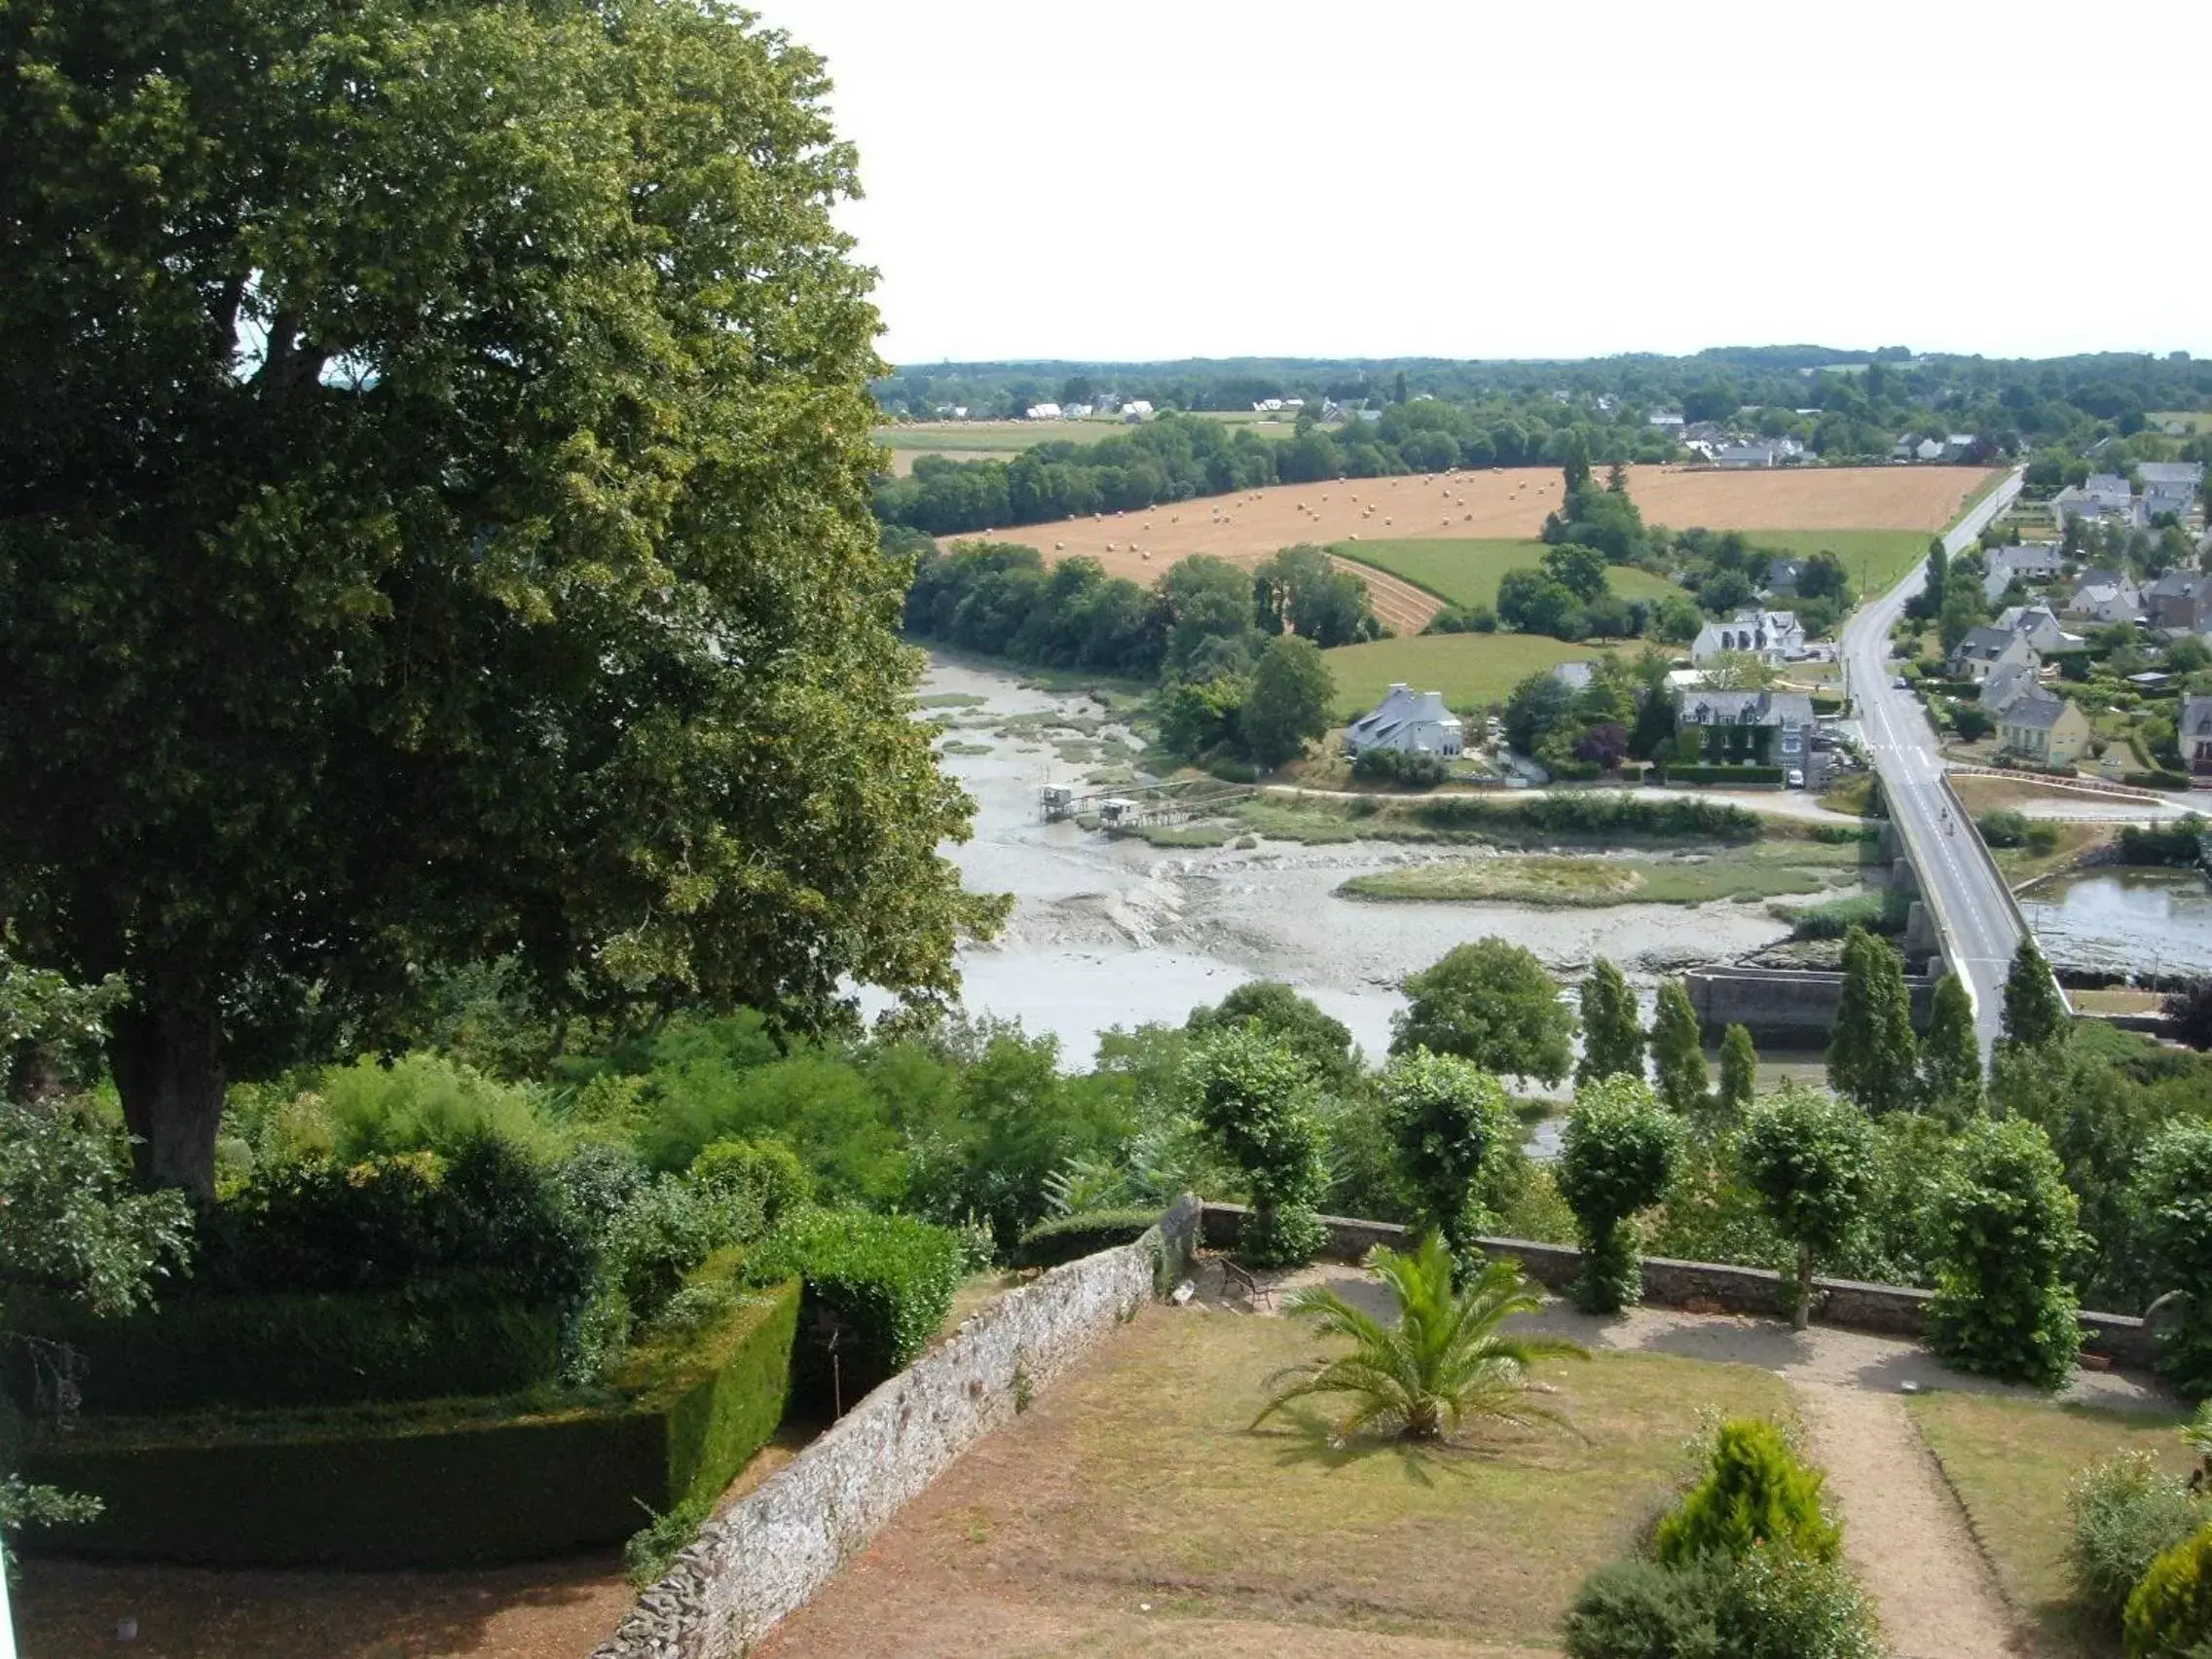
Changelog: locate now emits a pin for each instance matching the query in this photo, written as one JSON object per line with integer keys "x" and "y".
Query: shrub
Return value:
{"x": 2003, "y": 828}
{"x": 1757, "y": 1496}
{"x": 667, "y": 1229}
{"x": 1413, "y": 770}
{"x": 877, "y": 1287}
{"x": 2169, "y": 1616}
{"x": 1071, "y": 1238}
{"x": 2006, "y": 1221}
{"x": 1763, "y": 1607}
{"x": 2172, "y": 1194}
{"x": 1638, "y": 1610}
{"x": 2126, "y": 1512}
{"x": 1450, "y": 1121}
{"x": 1737, "y": 775}
{"x": 1253, "y": 1095}
{"x": 768, "y": 1170}
{"x": 1616, "y": 1158}
{"x": 422, "y": 1102}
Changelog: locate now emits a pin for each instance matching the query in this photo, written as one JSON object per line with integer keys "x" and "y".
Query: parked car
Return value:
{"x": 1796, "y": 778}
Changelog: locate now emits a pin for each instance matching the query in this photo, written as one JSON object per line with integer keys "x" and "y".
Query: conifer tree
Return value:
{"x": 2035, "y": 1014}
{"x": 1739, "y": 1072}
{"x": 1871, "y": 1056}
{"x": 1678, "y": 1051}
{"x": 1612, "y": 1031}
{"x": 1950, "y": 1057}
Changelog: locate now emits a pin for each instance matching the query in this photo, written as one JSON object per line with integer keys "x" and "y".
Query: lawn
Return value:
{"x": 1765, "y": 870}
{"x": 1134, "y": 1510}
{"x": 1874, "y": 558}
{"x": 1469, "y": 572}
{"x": 1471, "y": 670}
{"x": 2010, "y": 1461}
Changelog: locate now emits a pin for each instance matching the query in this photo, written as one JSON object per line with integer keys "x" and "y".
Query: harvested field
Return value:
{"x": 1132, "y": 1510}
{"x": 1500, "y": 506}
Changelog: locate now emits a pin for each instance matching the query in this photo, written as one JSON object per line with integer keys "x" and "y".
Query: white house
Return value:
{"x": 2103, "y": 496}
{"x": 1044, "y": 412}
{"x": 2040, "y": 627}
{"x": 1136, "y": 409}
{"x": 1984, "y": 651}
{"x": 1775, "y": 636}
{"x": 2030, "y": 562}
{"x": 1413, "y": 722}
{"x": 2171, "y": 486}
{"x": 2106, "y": 596}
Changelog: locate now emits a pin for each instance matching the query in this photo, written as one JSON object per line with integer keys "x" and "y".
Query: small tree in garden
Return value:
{"x": 1757, "y": 1494}
{"x": 1738, "y": 1073}
{"x": 1492, "y": 1002}
{"x": 2035, "y": 1014}
{"x": 2172, "y": 1194}
{"x": 2169, "y": 1616}
{"x": 1871, "y": 1055}
{"x": 1677, "y": 1051}
{"x": 1618, "y": 1154}
{"x": 1255, "y": 1097}
{"x": 1447, "y": 1118}
{"x": 1810, "y": 1157}
{"x": 2007, "y": 1222}
{"x": 1442, "y": 1363}
{"x": 1612, "y": 1030}
{"x": 1950, "y": 1054}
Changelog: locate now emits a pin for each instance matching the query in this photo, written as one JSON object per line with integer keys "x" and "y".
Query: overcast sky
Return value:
{"x": 1165, "y": 178}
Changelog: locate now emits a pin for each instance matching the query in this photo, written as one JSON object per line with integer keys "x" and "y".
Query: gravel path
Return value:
{"x": 1903, "y": 1530}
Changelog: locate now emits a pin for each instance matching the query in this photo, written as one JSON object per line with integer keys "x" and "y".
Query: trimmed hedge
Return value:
{"x": 2161, "y": 779}
{"x": 1723, "y": 774}
{"x": 1071, "y": 1238}
{"x": 878, "y": 1288}
{"x": 473, "y": 1482}
{"x": 254, "y": 1352}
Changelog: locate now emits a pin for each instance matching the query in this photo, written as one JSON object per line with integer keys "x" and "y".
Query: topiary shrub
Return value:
{"x": 1071, "y": 1238}
{"x": 2127, "y": 1513}
{"x": 1617, "y": 1157}
{"x": 1253, "y": 1094}
{"x": 877, "y": 1288}
{"x": 1450, "y": 1123}
{"x": 768, "y": 1172}
{"x": 2169, "y": 1616}
{"x": 2006, "y": 1224}
{"x": 1757, "y": 1494}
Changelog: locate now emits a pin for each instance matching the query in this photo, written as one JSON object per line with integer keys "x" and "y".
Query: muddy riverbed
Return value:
{"x": 1114, "y": 932}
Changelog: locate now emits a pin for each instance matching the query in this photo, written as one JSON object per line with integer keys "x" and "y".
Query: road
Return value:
{"x": 1969, "y": 904}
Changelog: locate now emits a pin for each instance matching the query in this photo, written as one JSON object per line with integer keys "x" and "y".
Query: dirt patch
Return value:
{"x": 1252, "y": 525}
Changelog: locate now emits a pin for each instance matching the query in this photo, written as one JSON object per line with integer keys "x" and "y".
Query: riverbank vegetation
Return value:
{"x": 1768, "y": 869}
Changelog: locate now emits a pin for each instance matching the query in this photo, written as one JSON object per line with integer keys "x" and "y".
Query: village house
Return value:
{"x": 2106, "y": 596}
{"x": 2037, "y": 624}
{"x": 1773, "y": 637}
{"x": 2046, "y": 730}
{"x": 1745, "y": 728}
{"x": 2103, "y": 496}
{"x": 1986, "y": 649}
{"x": 1764, "y": 453}
{"x": 2194, "y": 736}
{"x": 2007, "y": 684}
{"x": 2180, "y": 602}
{"x": 1412, "y": 723}
{"x": 2030, "y": 562}
{"x": 2170, "y": 487}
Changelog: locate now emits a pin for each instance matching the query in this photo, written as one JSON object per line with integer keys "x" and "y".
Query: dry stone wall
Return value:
{"x": 776, "y": 1547}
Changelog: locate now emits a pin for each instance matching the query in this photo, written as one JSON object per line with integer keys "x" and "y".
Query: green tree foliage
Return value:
{"x": 509, "y": 588}
{"x": 1211, "y": 618}
{"x": 1677, "y": 1051}
{"x": 1757, "y": 1494}
{"x": 1612, "y": 1027}
{"x": 1873, "y": 1054}
{"x": 2035, "y": 1013}
{"x": 1253, "y": 1094}
{"x": 2172, "y": 1194}
{"x": 1321, "y": 1041}
{"x": 1539, "y": 705}
{"x": 1444, "y": 1362}
{"x": 1764, "y": 1605}
{"x": 1617, "y": 1156}
{"x": 2169, "y": 1616}
{"x": 1299, "y": 591}
{"x": 1950, "y": 1053}
{"x": 1581, "y": 570}
{"x": 999, "y": 600}
{"x": 1288, "y": 704}
{"x": 2007, "y": 1227}
{"x": 1739, "y": 1074}
{"x": 1810, "y": 1157}
{"x": 1450, "y": 1122}
{"x": 1492, "y": 1002}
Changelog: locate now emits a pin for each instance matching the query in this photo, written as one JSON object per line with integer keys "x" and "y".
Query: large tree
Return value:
{"x": 435, "y": 472}
{"x": 1492, "y": 1002}
{"x": 1810, "y": 1157}
{"x": 1612, "y": 1027}
{"x": 1872, "y": 1053}
{"x": 2034, "y": 1013}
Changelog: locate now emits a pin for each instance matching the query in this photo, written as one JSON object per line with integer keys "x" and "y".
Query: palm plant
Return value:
{"x": 1443, "y": 1364}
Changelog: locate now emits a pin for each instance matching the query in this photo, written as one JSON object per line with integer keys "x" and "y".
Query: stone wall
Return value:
{"x": 776, "y": 1547}
{"x": 1786, "y": 1007}
{"x": 1889, "y": 1310}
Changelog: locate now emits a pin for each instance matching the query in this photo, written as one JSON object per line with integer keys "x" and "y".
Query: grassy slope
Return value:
{"x": 1139, "y": 1477}
{"x": 1874, "y": 558}
{"x": 1467, "y": 571}
{"x": 2010, "y": 1461}
{"x": 1469, "y": 669}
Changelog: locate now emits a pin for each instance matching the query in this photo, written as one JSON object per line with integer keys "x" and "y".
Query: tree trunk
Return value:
{"x": 1802, "y": 1314}
{"x": 167, "y": 1055}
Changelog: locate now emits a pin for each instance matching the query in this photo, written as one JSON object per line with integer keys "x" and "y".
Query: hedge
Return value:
{"x": 1723, "y": 774}
{"x": 1603, "y": 814}
{"x": 253, "y": 1352}
{"x": 2159, "y": 780}
{"x": 458, "y": 1484}
{"x": 878, "y": 1288}
{"x": 1071, "y": 1238}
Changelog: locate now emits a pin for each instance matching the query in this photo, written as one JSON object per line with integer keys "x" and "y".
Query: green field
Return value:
{"x": 1874, "y": 558}
{"x": 1469, "y": 572}
{"x": 2195, "y": 420}
{"x": 1469, "y": 669}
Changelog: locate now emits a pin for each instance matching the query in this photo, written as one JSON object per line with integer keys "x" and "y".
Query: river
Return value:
{"x": 1114, "y": 932}
{"x": 2126, "y": 919}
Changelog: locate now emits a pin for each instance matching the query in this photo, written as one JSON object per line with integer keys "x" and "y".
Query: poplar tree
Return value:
{"x": 2035, "y": 1014}
{"x": 1613, "y": 1028}
{"x": 1678, "y": 1051}
{"x": 1739, "y": 1072}
{"x": 1872, "y": 1056}
{"x": 1950, "y": 1054}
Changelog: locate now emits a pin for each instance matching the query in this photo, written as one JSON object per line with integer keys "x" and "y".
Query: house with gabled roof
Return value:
{"x": 1409, "y": 721}
{"x": 2047, "y": 729}
{"x": 2193, "y": 735}
{"x": 1749, "y": 728}
{"x": 1987, "y": 648}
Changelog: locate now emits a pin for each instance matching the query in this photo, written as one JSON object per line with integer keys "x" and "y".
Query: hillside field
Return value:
{"x": 1467, "y": 573}
{"x": 1469, "y": 669}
